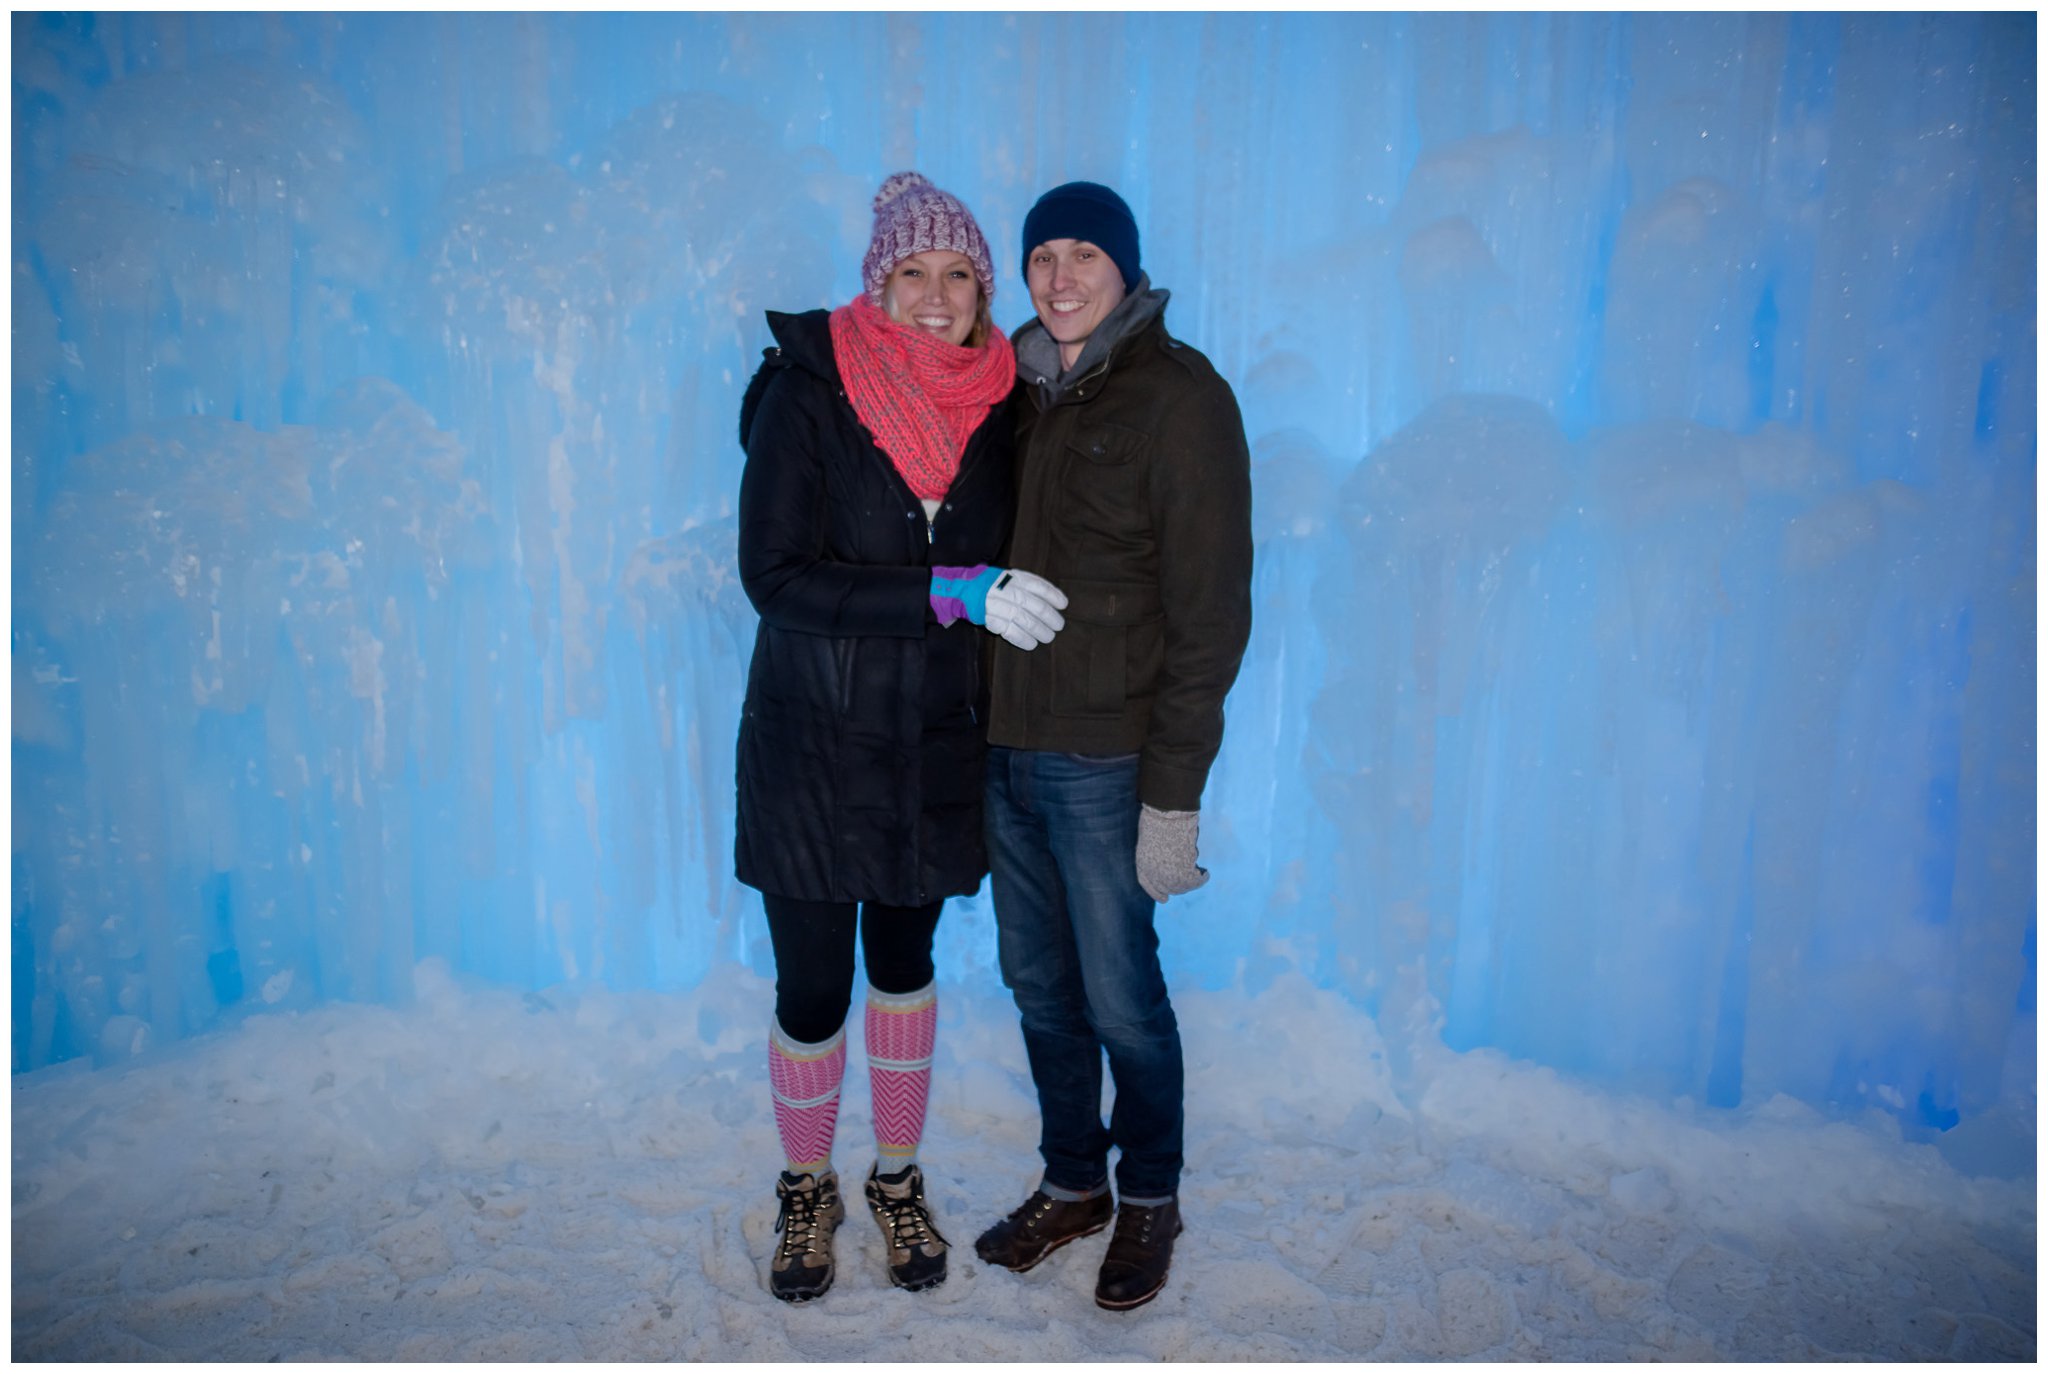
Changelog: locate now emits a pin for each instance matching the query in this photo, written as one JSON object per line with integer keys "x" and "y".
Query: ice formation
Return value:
{"x": 1643, "y": 418}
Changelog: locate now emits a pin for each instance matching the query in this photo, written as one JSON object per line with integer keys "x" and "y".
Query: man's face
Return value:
{"x": 1074, "y": 286}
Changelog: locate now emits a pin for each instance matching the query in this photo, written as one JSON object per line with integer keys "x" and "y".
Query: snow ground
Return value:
{"x": 587, "y": 1175}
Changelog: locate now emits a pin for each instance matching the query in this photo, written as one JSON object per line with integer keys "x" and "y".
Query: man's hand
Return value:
{"x": 1166, "y": 853}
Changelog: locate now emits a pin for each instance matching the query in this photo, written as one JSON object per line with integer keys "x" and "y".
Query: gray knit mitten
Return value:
{"x": 1166, "y": 853}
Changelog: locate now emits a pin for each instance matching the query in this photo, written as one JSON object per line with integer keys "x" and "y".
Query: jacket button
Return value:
{"x": 1097, "y": 450}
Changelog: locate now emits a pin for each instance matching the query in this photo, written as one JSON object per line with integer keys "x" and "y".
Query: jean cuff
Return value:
{"x": 1160, "y": 1201}
{"x": 1053, "y": 1190}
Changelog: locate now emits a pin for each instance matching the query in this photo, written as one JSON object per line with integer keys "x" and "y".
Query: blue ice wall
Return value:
{"x": 1643, "y": 410}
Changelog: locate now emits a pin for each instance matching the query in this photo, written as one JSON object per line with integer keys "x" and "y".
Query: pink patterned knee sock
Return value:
{"x": 901, "y": 1028}
{"x": 804, "y": 1080}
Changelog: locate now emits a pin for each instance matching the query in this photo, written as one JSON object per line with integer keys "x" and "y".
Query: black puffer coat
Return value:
{"x": 862, "y": 743}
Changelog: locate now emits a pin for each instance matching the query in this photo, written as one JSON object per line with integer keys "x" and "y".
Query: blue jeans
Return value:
{"x": 1075, "y": 941}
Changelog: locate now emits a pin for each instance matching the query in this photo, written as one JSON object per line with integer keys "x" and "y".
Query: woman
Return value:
{"x": 877, "y": 489}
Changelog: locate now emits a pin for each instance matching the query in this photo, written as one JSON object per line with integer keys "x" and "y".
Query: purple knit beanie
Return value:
{"x": 913, "y": 216}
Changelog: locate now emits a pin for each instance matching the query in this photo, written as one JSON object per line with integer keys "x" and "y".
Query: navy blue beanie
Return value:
{"x": 1084, "y": 210}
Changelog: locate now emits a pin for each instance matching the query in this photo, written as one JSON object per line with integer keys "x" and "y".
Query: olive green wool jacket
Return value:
{"x": 1134, "y": 498}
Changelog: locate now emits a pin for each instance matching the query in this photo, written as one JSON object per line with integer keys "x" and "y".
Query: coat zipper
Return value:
{"x": 931, "y": 532}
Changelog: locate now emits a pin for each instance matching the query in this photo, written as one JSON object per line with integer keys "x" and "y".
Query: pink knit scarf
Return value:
{"x": 920, "y": 396}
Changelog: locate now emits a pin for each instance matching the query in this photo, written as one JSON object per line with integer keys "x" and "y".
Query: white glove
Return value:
{"x": 1166, "y": 853}
{"x": 1024, "y": 609}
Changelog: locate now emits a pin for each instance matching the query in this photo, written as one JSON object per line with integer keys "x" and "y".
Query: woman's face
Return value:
{"x": 935, "y": 292}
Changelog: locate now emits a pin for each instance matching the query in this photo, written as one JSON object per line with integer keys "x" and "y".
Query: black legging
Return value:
{"x": 814, "y": 958}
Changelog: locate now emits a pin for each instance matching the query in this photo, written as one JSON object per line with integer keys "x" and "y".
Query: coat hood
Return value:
{"x": 804, "y": 341}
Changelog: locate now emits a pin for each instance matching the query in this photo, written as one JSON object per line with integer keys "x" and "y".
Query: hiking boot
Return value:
{"x": 1140, "y": 1252}
{"x": 1040, "y": 1226}
{"x": 917, "y": 1252}
{"x": 811, "y": 1212}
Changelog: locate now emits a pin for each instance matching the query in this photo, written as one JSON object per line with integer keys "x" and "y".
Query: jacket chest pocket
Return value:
{"x": 1103, "y": 482}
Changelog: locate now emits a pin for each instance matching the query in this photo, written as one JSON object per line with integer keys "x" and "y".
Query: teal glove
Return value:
{"x": 962, "y": 593}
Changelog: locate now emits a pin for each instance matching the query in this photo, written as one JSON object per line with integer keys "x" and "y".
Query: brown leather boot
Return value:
{"x": 1140, "y": 1253}
{"x": 1040, "y": 1226}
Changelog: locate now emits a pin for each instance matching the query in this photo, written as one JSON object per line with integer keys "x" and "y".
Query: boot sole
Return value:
{"x": 1106, "y": 1305}
{"x": 799, "y": 1299}
{"x": 1039, "y": 1258}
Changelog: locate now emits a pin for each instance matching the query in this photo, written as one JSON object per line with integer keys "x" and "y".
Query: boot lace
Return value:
{"x": 910, "y": 1225}
{"x": 798, "y": 1222}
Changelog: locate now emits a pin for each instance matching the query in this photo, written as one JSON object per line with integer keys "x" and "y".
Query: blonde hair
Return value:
{"x": 977, "y": 337}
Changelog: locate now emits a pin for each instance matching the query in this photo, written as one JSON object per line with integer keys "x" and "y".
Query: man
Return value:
{"x": 1134, "y": 498}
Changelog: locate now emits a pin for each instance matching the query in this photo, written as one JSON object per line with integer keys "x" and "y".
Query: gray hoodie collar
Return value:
{"x": 1038, "y": 356}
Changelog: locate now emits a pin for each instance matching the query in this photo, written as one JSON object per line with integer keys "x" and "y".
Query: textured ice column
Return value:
{"x": 695, "y": 631}
{"x": 1261, "y": 833}
{"x": 1685, "y": 283}
{"x": 248, "y": 653}
{"x": 407, "y": 852}
{"x": 1622, "y": 971}
{"x": 1436, "y": 634}
{"x": 212, "y": 234}
{"x": 1873, "y": 978}
{"x": 1492, "y": 269}
{"x": 157, "y": 578}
